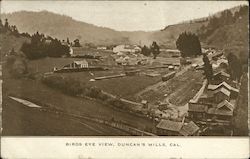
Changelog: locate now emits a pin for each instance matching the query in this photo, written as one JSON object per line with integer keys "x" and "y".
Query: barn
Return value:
{"x": 77, "y": 64}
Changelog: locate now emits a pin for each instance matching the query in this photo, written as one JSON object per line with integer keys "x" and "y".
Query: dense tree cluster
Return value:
{"x": 41, "y": 46}
{"x": 188, "y": 44}
{"x": 154, "y": 49}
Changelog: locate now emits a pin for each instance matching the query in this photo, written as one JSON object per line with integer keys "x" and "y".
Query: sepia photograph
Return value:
{"x": 124, "y": 68}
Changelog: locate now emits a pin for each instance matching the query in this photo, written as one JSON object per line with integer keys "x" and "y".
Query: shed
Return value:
{"x": 220, "y": 114}
{"x": 189, "y": 129}
{"x": 168, "y": 76}
{"x": 197, "y": 111}
{"x": 168, "y": 127}
{"x": 77, "y": 64}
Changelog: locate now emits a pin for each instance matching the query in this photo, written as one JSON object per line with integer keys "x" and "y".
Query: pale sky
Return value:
{"x": 125, "y": 15}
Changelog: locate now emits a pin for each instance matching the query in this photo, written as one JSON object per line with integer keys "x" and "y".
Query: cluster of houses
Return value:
{"x": 215, "y": 107}
{"x": 124, "y": 49}
{"x": 128, "y": 55}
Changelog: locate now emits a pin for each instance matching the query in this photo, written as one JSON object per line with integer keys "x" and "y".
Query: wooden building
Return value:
{"x": 220, "y": 77}
{"x": 174, "y": 128}
{"x": 220, "y": 95}
{"x": 233, "y": 91}
{"x": 189, "y": 129}
{"x": 77, "y": 64}
{"x": 223, "y": 111}
{"x": 168, "y": 76}
{"x": 197, "y": 111}
{"x": 169, "y": 128}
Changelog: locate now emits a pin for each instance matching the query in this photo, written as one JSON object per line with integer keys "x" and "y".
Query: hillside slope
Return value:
{"x": 230, "y": 35}
{"x": 61, "y": 27}
{"x": 8, "y": 41}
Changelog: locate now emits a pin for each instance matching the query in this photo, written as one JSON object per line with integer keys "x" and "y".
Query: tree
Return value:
{"x": 145, "y": 51}
{"x": 155, "y": 49}
{"x": 235, "y": 67}
{"x": 68, "y": 41}
{"x": 208, "y": 69}
{"x": 6, "y": 25}
{"x": 38, "y": 47}
{"x": 188, "y": 44}
{"x": 1, "y": 24}
{"x": 77, "y": 43}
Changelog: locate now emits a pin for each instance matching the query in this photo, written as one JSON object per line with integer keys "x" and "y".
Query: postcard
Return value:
{"x": 124, "y": 79}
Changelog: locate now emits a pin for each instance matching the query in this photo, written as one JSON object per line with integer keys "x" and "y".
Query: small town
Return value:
{"x": 192, "y": 85}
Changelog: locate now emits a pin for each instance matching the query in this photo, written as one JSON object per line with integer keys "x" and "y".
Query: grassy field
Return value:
{"x": 37, "y": 92}
{"x": 125, "y": 87}
{"x": 21, "y": 120}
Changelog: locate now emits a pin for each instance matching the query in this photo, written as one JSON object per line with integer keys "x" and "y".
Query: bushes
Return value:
{"x": 17, "y": 66}
{"x": 74, "y": 87}
{"x": 69, "y": 86}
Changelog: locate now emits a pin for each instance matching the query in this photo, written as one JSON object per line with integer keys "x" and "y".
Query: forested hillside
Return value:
{"x": 225, "y": 29}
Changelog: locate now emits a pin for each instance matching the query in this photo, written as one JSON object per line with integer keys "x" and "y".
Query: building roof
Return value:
{"x": 82, "y": 62}
{"x": 216, "y": 111}
{"x": 227, "y": 104}
{"x": 197, "y": 107}
{"x": 222, "y": 90}
{"x": 169, "y": 125}
{"x": 189, "y": 129}
{"x": 222, "y": 73}
{"x": 223, "y": 84}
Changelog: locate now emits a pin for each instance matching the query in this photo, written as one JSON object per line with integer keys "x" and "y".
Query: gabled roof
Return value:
{"x": 227, "y": 104}
{"x": 197, "y": 107}
{"x": 222, "y": 90}
{"x": 216, "y": 111}
{"x": 222, "y": 73}
{"x": 223, "y": 84}
{"x": 169, "y": 125}
{"x": 189, "y": 129}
